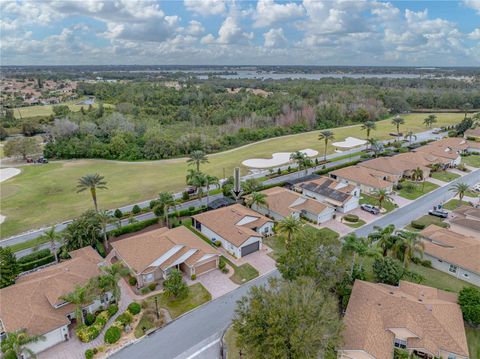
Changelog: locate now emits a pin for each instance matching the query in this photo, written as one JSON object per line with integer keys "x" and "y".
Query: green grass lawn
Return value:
{"x": 473, "y": 340}
{"x": 444, "y": 176}
{"x": 28, "y": 244}
{"x": 243, "y": 273}
{"x": 419, "y": 189}
{"x": 47, "y": 110}
{"x": 473, "y": 161}
{"x": 454, "y": 204}
{"x": 197, "y": 296}
{"x": 472, "y": 194}
{"x": 46, "y": 194}
{"x": 357, "y": 224}
{"x": 367, "y": 199}
{"x": 428, "y": 220}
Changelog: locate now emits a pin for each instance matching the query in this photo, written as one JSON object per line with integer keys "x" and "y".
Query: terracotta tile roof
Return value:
{"x": 467, "y": 212}
{"x": 468, "y": 223}
{"x": 363, "y": 175}
{"x": 452, "y": 247}
{"x": 140, "y": 251}
{"x": 224, "y": 221}
{"x": 29, "y": 303}
{"x": 375, "y": 309}
{"x": 474, "y": 132}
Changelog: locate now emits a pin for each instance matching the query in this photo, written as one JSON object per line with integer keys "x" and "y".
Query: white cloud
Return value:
{"x": 275, "y": 38}
{"x": 230, "y": 32}
{"x": 194, "y": 28}
{"x": 206, "y": 7}
{"x": 473, "y": 4}
{"x": 475, "y": 34}
{"x": 268, "y": 12}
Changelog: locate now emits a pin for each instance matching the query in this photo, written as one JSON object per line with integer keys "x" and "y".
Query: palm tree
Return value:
{"x": 14, "y": 345}
{"x": 459, "y": 189}
{"x": 80, "y": 297}
{"x": 369, "y": 126}
{"x": 257, "y": 198}
{"x": 251, "y": 185}
{"x": 417, "y": 174}
{"x": 360, "y": 246}
{"x": 385, "y": 238}
{"x": 105, "y": 219}
{"x": 350, "y": 244}
{"x": 397, "y": 121}
{"x": 382, "y": 195}
{"x": 430, "y": 120}
{"x": 92, "y": 182}
{"x": 210, "y": 180}
{"x": 199, "y": 181}
{"x": 410, "y": 135}
{"x": 326, "y": 136}
{"x": 289, "y": 226}
{"x": 299, "y": 158}
{"x": 411, "y": 244}
{"x": 165, "y": 202}
{"x": 108, "y": 281}
{"x": 52, "y": 237}
{"x": 375, "y": 145}
{"x": 197, "y": 157}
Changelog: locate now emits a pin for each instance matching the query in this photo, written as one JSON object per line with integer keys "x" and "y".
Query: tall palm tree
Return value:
{"x": 210, "y": 180}
{"x": 256, "y": 198}
{"x": 411, "y": 244}
{"x": 410, "y": 135}
{"x": 350, "y": 245}
{"x": 382, "y": 196}
{"x": 165, "y": 202}
{"x": 397, "y": 121}
{"x": 80, "y": 296}
{"x": 361, "y": 246}
{"x": 459, "y": 189}
{"x": 430, "y": 120}
{"x": 92, "y": 182}
{"x": 326, "y": 136}
{"x": 385, "y": 238}
{"x": 52, "y": 237}
{"x": 105, "y": 219}
{"x": 369, "y": 126}
{"x": 299, "y": 158}
{"x": 14, "y": 345}
{"x": 199, "y": 181}
{"x": 375, "y": 145}
{"x": 108, "y": 280}
{"x": 289, "y": 226}
{"x": 196, "y": 158}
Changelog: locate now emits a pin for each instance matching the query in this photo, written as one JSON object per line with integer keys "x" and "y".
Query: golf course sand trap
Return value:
{"x": 6, "y": 173}
{"x": 349, "y": 142}
{"x": 278, "y": 159}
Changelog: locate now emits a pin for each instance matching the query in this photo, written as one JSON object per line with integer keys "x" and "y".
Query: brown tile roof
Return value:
{"x": 374, "y": 309}
{"x": 363, "y": 176}
{"x": 467, "y": 212}
{"x": 29, "y": 302}
{"x": 474, "y": 132}
{"x": 223, "y": 221}
{"x": 468, "y": 223}
{"x": 452, "y": 247}
{"x": 141, "y": 250}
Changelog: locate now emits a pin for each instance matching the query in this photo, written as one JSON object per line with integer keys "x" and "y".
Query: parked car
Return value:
{"x": 438, "y": 213}
{"x": 369, "y": 208}
{"x": 476, "y": 188}
{"x": 191, "y": 190}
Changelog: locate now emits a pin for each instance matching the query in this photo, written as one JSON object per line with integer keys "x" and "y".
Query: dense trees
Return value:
{"x": 8, "y": 267}
{"x": 22, "y": 146}
{"x": 83, "y": 231}
{"x": 469, "y": 300}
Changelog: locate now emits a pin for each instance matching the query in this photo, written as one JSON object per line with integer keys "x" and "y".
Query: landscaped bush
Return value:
{"x": 462, "y": 167}
{"x": 112, "y": 310}
{"x": 193, "y": 277}
{"x": 387, "y": 270}
{"x": 89, "y": 319}
{"x": 89, "y": 354}
{"x": 422, "y": 262}
{"x": 23, "y": 267}
{"x": 112, "y": 335}
{"x": 222, "y": 263}
{"x": 134, "y": 308}
{"x": 469, "y": 300}
{"x": 132, "y": 281}
{"x": 118, "y": 213}
{"x": 351, "y": 218}
{"x": 417, "y": 225}
{"x": 124, "y": 319}
{"x": 134, "y": 227}
{"x": 145, "y": 290}
{"x": 101, "y": 249}
{"x": 136, "y": 209}
{"x": 152, "y": 286}
{"x": 217, "y": 243}
{"x": 327, "y": 170}
{"x": 34, "y": 256}
{"x": 185, "y": 196}
{"x": 88, "y": 333}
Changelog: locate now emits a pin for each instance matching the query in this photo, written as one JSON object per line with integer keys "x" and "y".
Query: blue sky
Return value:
{"x": 308, "y": 32}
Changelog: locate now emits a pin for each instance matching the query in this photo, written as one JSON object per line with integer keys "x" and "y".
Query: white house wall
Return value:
{"x": 51, "y": 338}
{"x": 461, "y": 273}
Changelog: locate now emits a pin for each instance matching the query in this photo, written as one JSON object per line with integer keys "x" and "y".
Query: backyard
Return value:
{"x": 473, "y": 339}
{"x": 52, "y": 187}
{"x": 417, "y": 189}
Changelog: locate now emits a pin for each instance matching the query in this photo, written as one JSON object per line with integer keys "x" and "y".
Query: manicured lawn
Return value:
{"x": 444, "y": 176}
{"x": 45, "y": 195}
{"x": 472, "y": 194}
{"x": 473, "y": 340}
{"x": 367, "y": 199}
{"x": 428, "y": 220}
{"x": 473, "y": 160}
{"x": 197, "y": 296}
{"x": 454, "y": 204}
{"x": 419, "y": 189}
{"x": 242, "y": 273}
{"x": 357, "y": 224}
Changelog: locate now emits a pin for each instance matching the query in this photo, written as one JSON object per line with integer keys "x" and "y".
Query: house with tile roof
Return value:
{"x": 152, "y": 255}
{"x": 34, "y": 302}
{"x": 466, "y": 220}
{"x": 239, "y": 229}
{"x": 453, "y": 253}
{"x": 340, "y": 195}
{"x": 473, "y": 134}
{"x": 367, "y": 179}
{"x": 422, "y": 320}
{"x": 282, "y": 202}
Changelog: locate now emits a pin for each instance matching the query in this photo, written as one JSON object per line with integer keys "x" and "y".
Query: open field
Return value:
{"x": 47, "y": 110}
{"x": 46, "y": 194}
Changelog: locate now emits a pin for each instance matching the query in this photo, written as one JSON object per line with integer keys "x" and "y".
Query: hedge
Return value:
{"x": 134, "y": 227}
{"x": 351, "y": 218}
{"x": 23, "y": 267}
{"x": 34, "y": 256}
{"x": 101, "y": 249}
{"x": 343, "y": 165}
{"x": 417, "y": 225}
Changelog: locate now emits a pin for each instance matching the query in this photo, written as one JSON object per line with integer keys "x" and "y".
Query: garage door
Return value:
{"x": 205, "y": 267}
{"x": 250, "y": 248}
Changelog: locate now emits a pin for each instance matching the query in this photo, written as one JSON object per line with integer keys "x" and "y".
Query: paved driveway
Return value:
{"x": 261, "y": 261}
{"x": 216, "y": 282}
{"x": 364, "y": 215}
{"x": 436, "y": 181}
{"x": 337, "y": 226}
{"x": 399, "y": 200}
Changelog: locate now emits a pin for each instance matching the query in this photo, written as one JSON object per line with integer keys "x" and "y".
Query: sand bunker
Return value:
{"x": 6, "y": 173}
{"x": 278, "y": 159}
{"x": 349, "y": 142}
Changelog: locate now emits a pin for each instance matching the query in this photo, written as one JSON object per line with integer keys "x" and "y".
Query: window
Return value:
{"x": 453, "y": 268}
{"x": 400, "y": 343}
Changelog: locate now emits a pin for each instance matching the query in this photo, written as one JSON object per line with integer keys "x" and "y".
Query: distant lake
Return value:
{"x": 294, "y": 76}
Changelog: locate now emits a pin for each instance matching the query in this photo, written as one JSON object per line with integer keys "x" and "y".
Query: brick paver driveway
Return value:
{"x": 216, "y": 282}
{"x": 399, "y": 200}
{"x": 364, "y": 215}
{"x": 337, "y": 226}
{"x": 261, "y": 261}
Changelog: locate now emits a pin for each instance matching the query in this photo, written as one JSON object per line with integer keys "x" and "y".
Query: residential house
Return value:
{"x": 239, "y": 229}
{"x": 368, "y": 180}
{"x": 451, "y": 146}
{"x": 466, "y": 220}
{"x": 282, "y": 202}
{"x": 342, "y": 196}
{"x": 453, "y": 253}
{"x": 34, "y": 302}
{"x": 152, "y": 255}
{"x": 423, "y": 320}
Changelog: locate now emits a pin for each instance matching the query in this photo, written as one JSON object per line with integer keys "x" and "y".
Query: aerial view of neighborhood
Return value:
{"x": 221, "y": 179}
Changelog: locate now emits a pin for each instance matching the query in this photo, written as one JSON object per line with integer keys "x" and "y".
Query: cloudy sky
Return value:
{"x": 308, "y": 32}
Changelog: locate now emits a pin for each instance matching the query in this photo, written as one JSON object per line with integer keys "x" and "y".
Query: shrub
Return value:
{"x": 118, "y": 213}
{"x": 144, "y": 290}
{"x": 175, "y": 286}
{"x": 34, "y": 256}
{"x": 387, "y": 270}
{"x": 134, "y": 227}
{"x": 343, "y": 165}
{"x": 152, "y": 286}
{"x": 217, "y": 243}
{"x": 351, "y": 218}
{"x": 112, "y": 335}
{"x": 95, "y": 350}
{"x": 469, "y": 300}
{"x": 23, "y": 267}
{"x": 124, "y": 318}
{"x": 100, "y": 249}
{"x": 134, "y": 308}
{"x": 462, "y": 167}
{"x": 222, "y": 263}
{"x": 185, "y": 196}
{"x": 89, "y": 354}
{"x": 88, "y": 333}
{"x": 152, "y": 204}
{"x": 112, "y": 310}
{"x": 89, "y": 319}
{"x": 132, "y": 281}
{"x": 193, "y": 277}
{"x": 191, "y": 208}
{"x": 417, "y": 225}
{"x": 136, "y": 209}
{"x": 225, "y": 270}
{"x": 399, "y": 186}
